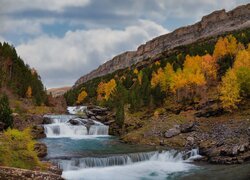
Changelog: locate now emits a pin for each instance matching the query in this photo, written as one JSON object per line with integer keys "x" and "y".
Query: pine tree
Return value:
{"x": 5, "y": 112}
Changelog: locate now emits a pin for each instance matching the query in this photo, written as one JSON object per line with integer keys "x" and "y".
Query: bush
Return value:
{"x": 5, "y": 112}
{"x": 17, "y": 150}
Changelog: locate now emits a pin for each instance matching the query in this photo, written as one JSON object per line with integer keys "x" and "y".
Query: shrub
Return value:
{"x": 5, "y": 112}
{"x": 17, "y": 150}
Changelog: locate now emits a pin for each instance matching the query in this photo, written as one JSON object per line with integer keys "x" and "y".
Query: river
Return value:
{"x": 91, "y": 153}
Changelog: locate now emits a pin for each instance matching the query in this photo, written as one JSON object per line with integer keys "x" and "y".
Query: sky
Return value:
{"x": 65, "y": 39}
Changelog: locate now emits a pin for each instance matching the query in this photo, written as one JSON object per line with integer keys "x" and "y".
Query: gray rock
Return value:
{"x": 47, "y": 120}
{"x": 41, "y": 149}
{"x": 37, "y": 132}
{"x": 187, "y": 127}
{"x": 172, "y": 132}
{"x": 190, "y": 140}
{"x": 74, "y": 122}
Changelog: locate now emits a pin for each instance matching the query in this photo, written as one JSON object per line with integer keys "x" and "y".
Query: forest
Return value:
{"x": 209, "y": 70}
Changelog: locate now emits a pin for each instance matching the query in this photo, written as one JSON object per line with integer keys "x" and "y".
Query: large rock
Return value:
{"x": 41, "y": 149}
{"x": 172, "y": 132}
{"x": 47, "y": 120}
{"x": 187, "y": 127}
{"x": 74, "y": 122}
{"x": 37, "y": 132}
{"x": 9, "y": 173}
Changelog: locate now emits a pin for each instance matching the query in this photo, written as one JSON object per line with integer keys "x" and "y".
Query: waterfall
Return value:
{"x": 149, "y": 165}
{"x": 127, "y": 159}
{"x": 60, "y": 127}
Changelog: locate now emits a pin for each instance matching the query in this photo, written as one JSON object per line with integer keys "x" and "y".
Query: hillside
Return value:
{"x": 18, "y": 77}
{"x": 195, "y": 95}
{"x": 55, "y": 92}
{"x": 214, "y": 24}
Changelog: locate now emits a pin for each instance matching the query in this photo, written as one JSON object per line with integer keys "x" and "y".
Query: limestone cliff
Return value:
{"x": 216, "y": 23}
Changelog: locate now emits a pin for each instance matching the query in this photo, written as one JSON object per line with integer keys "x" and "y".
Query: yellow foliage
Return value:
{"x": 136, "y": 71}
{"x": 157, "y": 63}
{"x": 242, "y": 59}
{"x": 17, "y": 150}
{"x": 104, "y": 90}
{"x": 226, "y": 46}
{"x": 81, "y": 97}
{"x": 229, "y": 90}
{"x": 29, "y": 92}
{"x": 209, "y": 67}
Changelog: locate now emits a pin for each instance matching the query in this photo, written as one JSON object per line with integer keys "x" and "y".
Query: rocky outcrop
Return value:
{"x": 214, "y": 24}
{"x": 37, "y": 132}
{"x": 41, "y": 149}
{"x": 9, "y": 173}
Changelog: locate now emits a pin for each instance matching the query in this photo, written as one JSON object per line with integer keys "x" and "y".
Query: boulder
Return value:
{"x": 100, "y": 118}
{"x": 172, "y": 132}
{"x": 187, "y": 127}
{"x": 74, "y": 122}
{"x": 41, "y": 149}
{"x": 89, "y": 113}
{"x": 47, "y": 120}
{"x": 190, "y": 141}
{"x": 37, "y": 132}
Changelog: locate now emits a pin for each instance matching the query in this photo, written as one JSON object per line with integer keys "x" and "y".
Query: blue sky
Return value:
{"x": 65, "y": 39}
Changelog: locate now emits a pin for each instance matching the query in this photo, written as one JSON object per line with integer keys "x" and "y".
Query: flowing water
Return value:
{"x": 93, "y": 154}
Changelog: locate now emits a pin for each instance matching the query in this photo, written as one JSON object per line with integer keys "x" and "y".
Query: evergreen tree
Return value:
{"x": 5, "y": 112}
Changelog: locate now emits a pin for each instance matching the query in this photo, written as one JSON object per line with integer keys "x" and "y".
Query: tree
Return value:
{"x": 29, "y": 92}
{"x": 81, "y": 97}
{"x": 105, "y": 90}
{"x": 209, "y": 67}
{"x": 229, "y": 91}
{"x": 5, "y": 112}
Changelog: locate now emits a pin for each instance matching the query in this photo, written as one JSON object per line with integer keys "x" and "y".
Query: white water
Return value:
{"x": 152, "y": 165}
{"x": 76, "y": 109}
{"x": 135, "y": 166}
{"x": 60, "y": 128}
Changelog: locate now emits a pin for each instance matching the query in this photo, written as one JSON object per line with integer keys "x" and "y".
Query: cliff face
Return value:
{"x": 213, "y": 24}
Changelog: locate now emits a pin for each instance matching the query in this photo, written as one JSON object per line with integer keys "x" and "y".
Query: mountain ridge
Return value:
{"x": 213, "y": 24}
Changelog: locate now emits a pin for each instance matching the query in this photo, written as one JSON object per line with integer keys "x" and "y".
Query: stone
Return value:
{"x": 100, "y": 118}
{"x": 24, "y": 174}
{"x": 37, "y": 132}
{"x": 190, "y": 140}
{"x": 74, "y": 122}
{"x": 172, "y": 132}
{"x": 187, "y": 127}
{"x": 47, "y": 120}
{"x": 41, "y": 149}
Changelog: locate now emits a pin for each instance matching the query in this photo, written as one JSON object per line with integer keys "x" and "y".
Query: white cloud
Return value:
{"x": 78, "y": 52}
{"x": 56, "y": 5}
{"x": 23, "y": 26}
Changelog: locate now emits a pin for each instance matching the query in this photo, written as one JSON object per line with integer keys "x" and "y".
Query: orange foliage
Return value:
{"x": 29, "y": 92}
{"x": 104, "y": 90}
{"x": 81, "y": 97}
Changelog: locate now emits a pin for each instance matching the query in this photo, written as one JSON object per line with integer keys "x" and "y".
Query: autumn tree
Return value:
{"x": 209, "y": 68}
{"x": 81, "y": 97}
{"x": 229, "y": 91}
{"x": 29, "y": 92}
{"x": 104, "y": 90}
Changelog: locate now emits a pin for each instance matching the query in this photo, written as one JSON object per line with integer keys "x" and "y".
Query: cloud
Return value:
{"x": 54, "y": 5}
{"x": 60, "y": 61}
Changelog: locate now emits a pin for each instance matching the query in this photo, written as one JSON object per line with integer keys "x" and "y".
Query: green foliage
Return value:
{"x": 137, "y": 85}
{"x": 5, "y": 112}
{"x": 243, "y": 76}
{"x": 17, "y": 150}
{"x": 18, "y": 76}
